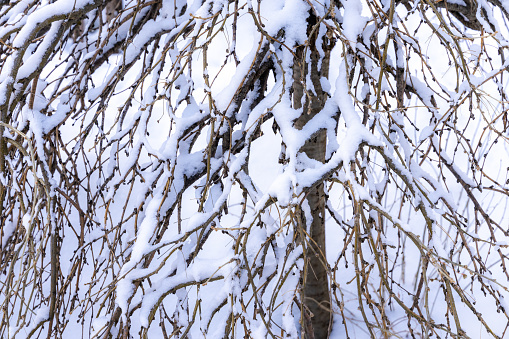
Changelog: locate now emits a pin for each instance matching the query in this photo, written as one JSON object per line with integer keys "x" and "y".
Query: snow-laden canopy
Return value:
{"x": 157, "y": 178}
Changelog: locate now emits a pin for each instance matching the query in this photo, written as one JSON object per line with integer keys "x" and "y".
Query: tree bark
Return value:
{"x": 316, "y": 295}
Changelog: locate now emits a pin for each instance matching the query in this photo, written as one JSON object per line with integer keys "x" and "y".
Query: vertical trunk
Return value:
{"x": 3, "y": 152}
{"x": 316, "y": 295}
{"x": 316, "y": 287}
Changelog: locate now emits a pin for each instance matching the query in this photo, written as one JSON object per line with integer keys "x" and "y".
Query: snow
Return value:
{"x": 426, "y": 132}
{"x": 31, "y": 63}
{"x": 174, "y": 220}
{"x": 8, "y": 230}
{"x": 286, "y": 14}
{"x": 353, "y": 21}
{"x": 49, "y": 12}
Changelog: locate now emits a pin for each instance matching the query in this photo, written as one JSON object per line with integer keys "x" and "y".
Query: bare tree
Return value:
{"x": 254, "y": 169}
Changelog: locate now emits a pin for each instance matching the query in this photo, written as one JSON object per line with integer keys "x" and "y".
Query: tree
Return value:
{"x": 177, "y": 168}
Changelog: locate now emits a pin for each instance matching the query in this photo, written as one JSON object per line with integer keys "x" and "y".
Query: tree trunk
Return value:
{"x": 316, "y": 295}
